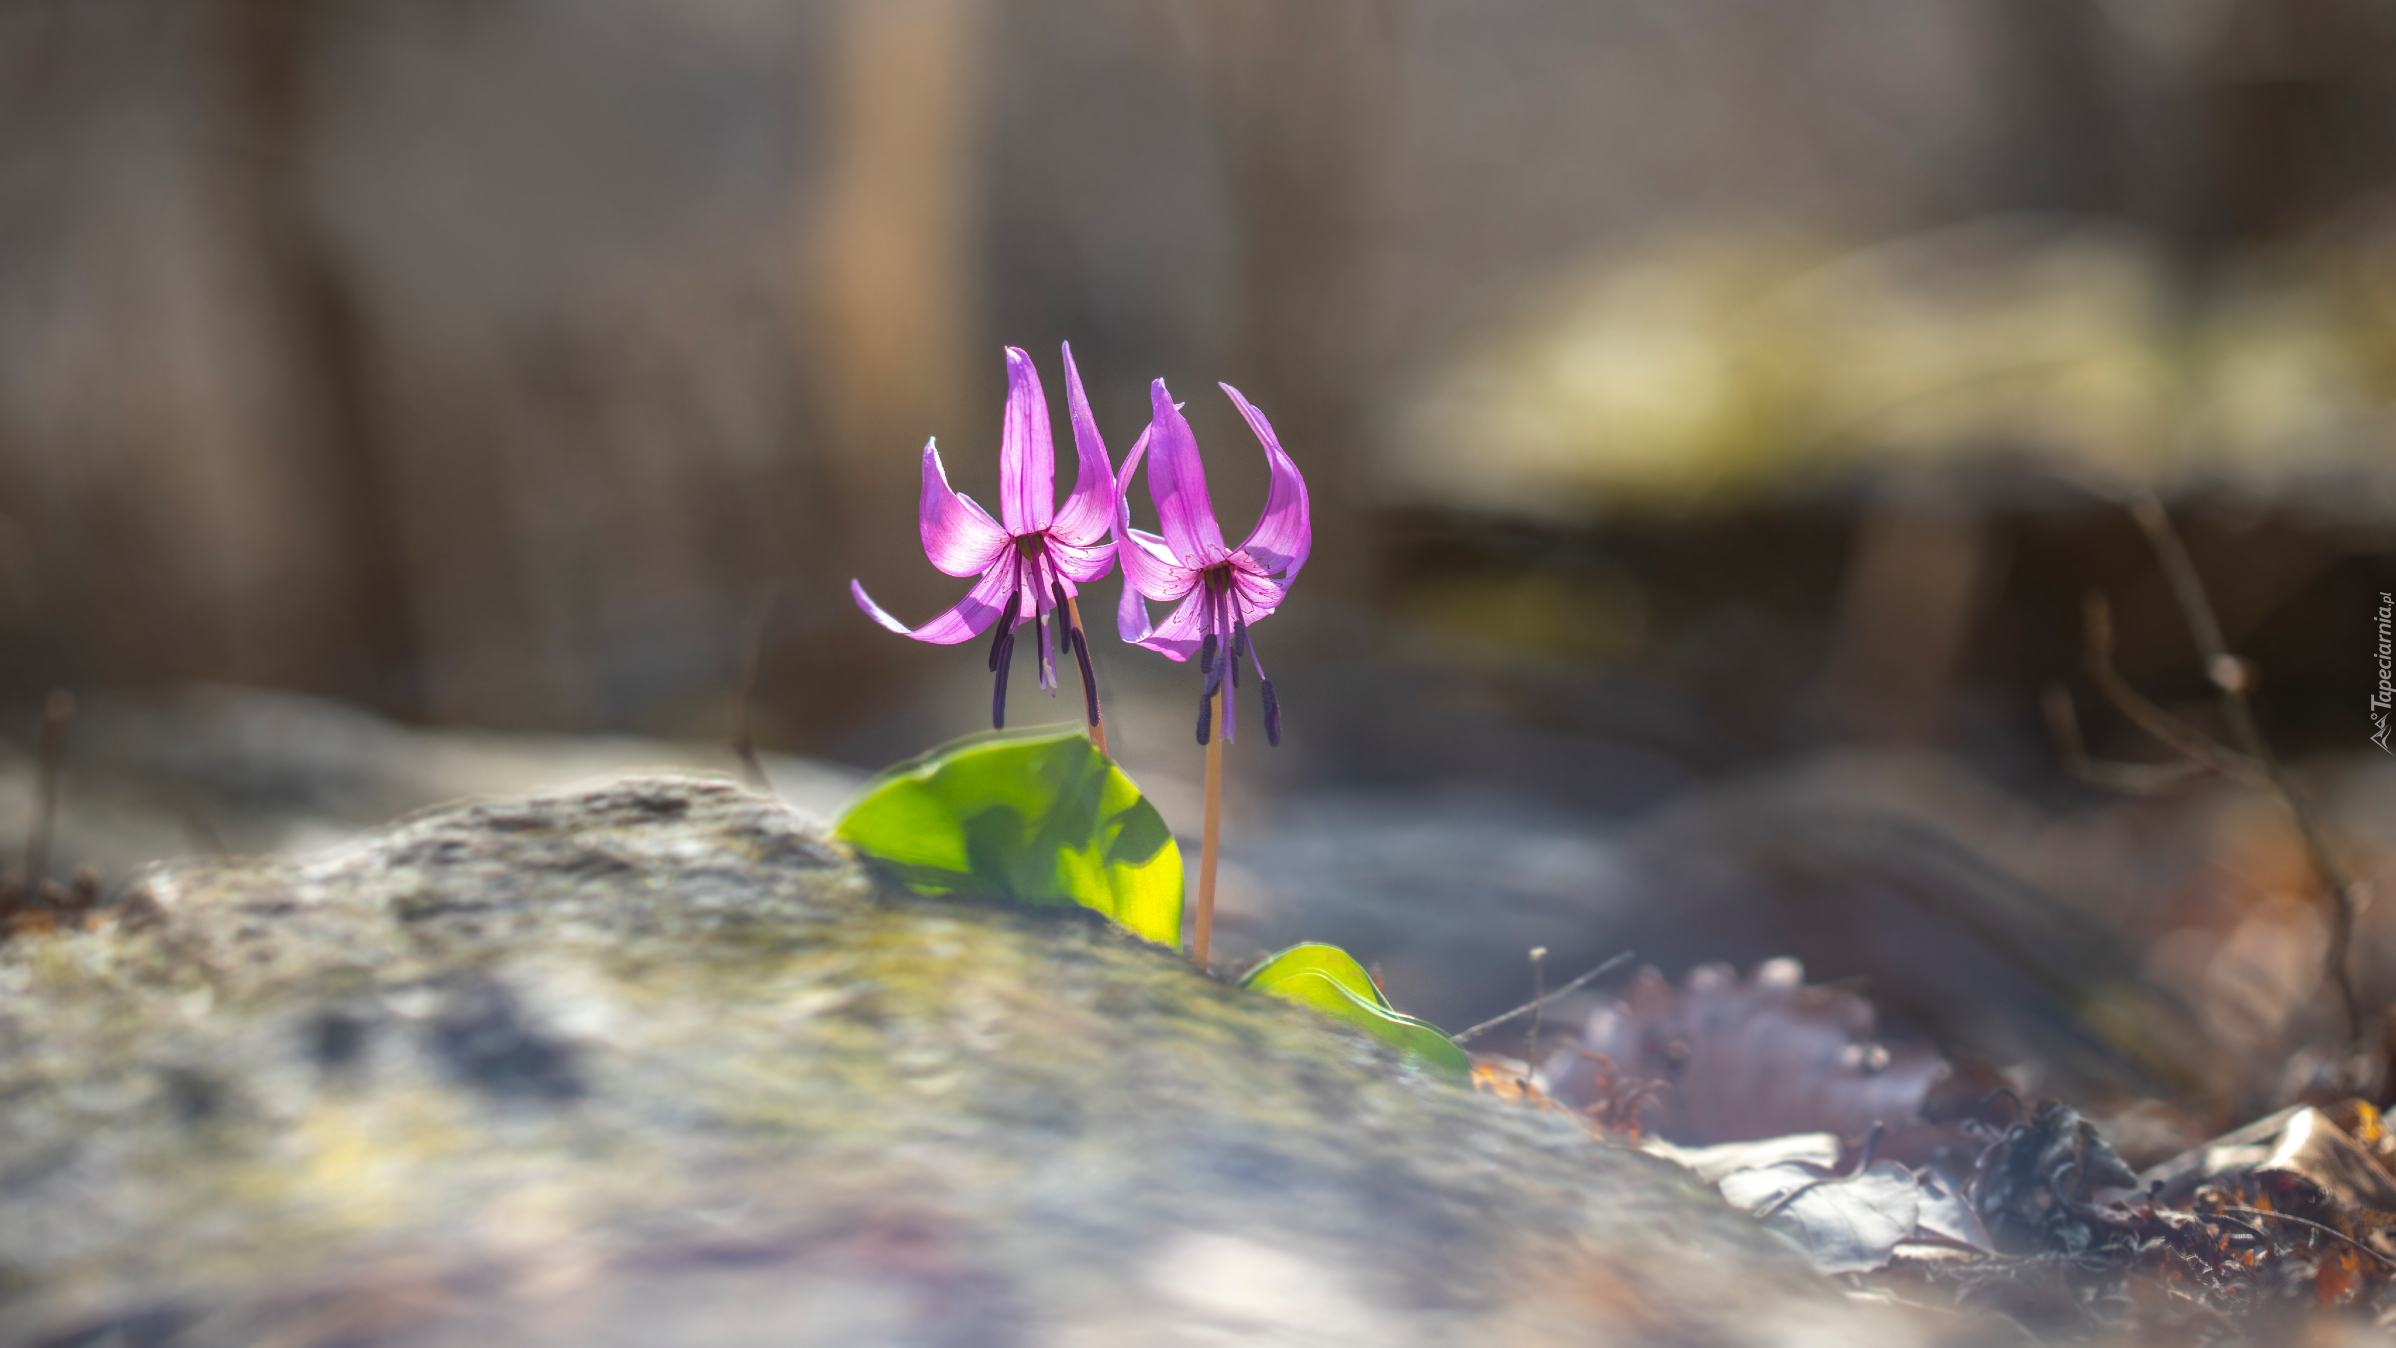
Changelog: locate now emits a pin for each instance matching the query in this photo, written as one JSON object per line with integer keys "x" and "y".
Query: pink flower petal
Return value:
{"x": 1179, "y": 636}
{"x": 1131, "y": 616}
{"x": 1258, "y": 596}
{"x": 967, "y": 618}
{"x": 1088, "y": 510}
{"x": 1150, "y": 569}
{"x": 1121, "y": 523}
{"x": 959, "y": 536}
{"x": 1177, "y": 482}
{"x": 1027, "y": 454}
{"x": 1080, "y": 565}
{"x": 1283, "y": 534}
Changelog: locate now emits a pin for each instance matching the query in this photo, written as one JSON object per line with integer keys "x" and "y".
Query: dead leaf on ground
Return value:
{"x": 1855, "y": 1223}
{"x": 2299, "y": 1141}
{"x": 2033, "y": 1187}
{"x": 1508, "y": 1079}
{"x": 1712, "y": 1163}
{"x": 1745, "y": 1059}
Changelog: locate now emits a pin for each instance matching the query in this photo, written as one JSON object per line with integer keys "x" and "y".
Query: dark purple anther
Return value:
{"x": 1272, "y": 716}
{"x": 1034, "y": 542}
{"x": 1001, "y": 643}
{"x": 998, "y": 692}
{"x": 1218, "y": 590}
{"x": 1081, "y": 653}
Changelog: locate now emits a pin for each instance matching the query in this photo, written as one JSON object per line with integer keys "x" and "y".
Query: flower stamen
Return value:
{"x": 1033, "y": 551}
{"x": 1044, "y": 664}
{"x": 998, "y": 691}
{"x": 1081, "y": 654}
{"x": 1226, "y": 608}
{"x": 1004, "y": 635}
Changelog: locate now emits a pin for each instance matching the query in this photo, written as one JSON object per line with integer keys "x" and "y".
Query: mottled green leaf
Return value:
{"x": 1326, "y": 978}
{"x": 1031, "y": 816}
{"x": 1315, "y": 957}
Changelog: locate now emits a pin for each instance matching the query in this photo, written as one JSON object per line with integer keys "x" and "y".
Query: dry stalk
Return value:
{"x": 2200, "y": 755}
{"x": 2233, "y": 678}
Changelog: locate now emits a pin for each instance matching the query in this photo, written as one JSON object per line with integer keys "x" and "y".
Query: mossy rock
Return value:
{"x": 659, "y": 1064}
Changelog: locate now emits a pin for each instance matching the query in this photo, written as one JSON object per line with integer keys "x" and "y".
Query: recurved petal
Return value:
{"x": 965, "y": 619}
{"x": 1131, "y": 616}
{"x": 1150, "y": 569}
{"x": 1121, "y": 523}
{"x": 1178, "y": 637}
{"x": 1128, "y": 540}
{"x": 1027, "y": 455}
{"x": 1081, "y": 565}
{"x": 1087, "y": 511}
{"x": 1284, "y": 534}
{"x": 1258, "y": 596}
{"x": 1177, "y": 482}
{"x": 959, "y": 536}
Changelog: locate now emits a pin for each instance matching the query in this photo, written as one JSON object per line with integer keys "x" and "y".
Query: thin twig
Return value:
{"x": 57, "y": 710}
{"x": 2133, "y": 779}
{"x": 1530, "y": 1051}
{"x": 2190, "y": 741}
{"x": 1773, "y": 1209}
{"x": 2234, "y": 679}
{"x": 2227, "y": 1220}
{"x": 1863, "y": 1160}
{"x": 2325, "y": 1230}
{"x": 1528, "y": 1007}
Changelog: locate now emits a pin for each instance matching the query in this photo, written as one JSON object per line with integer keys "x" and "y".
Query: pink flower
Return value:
{"x": 1032, "y": 564}
{"x": 1221, "y": 590}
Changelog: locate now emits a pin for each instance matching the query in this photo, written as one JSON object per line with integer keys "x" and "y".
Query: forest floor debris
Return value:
{"x": 2004, "y": 1208}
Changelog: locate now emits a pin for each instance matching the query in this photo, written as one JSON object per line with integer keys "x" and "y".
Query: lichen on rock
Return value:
{"x": 659, "y": 1063}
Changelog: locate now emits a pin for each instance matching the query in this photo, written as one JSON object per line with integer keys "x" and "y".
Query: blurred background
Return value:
{"x": 1716, "y": 412}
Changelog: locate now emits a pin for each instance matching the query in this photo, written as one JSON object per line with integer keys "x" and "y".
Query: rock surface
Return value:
{"x": 657, "y": 1064}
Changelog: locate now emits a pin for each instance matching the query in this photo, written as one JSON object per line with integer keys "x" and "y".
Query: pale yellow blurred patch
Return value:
{"x": 1712, "y": 369}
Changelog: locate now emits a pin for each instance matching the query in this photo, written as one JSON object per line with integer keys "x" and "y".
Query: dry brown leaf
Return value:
{"x": 1739, "y": 1060}
{"x": 2301, "y": 1142}
{"x": 1855, "y": 1223}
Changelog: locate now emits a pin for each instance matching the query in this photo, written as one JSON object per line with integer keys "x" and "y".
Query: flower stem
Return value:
{"x": 1089, "y": 682}
{"x": 1214, "y": 831}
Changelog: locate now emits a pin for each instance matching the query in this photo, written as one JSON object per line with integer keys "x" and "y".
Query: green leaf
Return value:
{"x": 1033, "y": 816}
{"x": 1315, "y": 957}
{"x": 1328, "y": 979}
